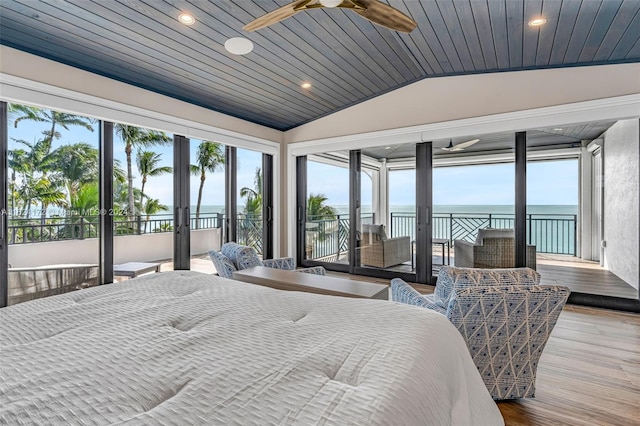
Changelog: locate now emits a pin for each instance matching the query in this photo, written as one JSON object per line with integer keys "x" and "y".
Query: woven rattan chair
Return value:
{"x": 379, "y": 251}
{"x": 494, "y": 248}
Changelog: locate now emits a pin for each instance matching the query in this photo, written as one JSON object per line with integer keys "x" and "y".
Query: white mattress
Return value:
{"x": 188, "y": 348}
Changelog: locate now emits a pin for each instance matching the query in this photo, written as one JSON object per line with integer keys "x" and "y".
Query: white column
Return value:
{"x": 383, "y": 194}
{"x": 583, "y": 249}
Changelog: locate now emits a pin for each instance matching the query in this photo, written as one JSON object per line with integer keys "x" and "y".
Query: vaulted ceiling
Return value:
{"x": 346, "y": 58}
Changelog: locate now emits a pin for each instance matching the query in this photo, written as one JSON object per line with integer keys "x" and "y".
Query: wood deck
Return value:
{"x": 579, "y": 275}
{"x": 584, "y": 277}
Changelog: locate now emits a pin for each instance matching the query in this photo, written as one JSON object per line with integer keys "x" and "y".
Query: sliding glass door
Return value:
{"x": 52, "y": 197}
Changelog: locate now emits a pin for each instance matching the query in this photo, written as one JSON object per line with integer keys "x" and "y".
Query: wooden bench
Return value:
{"x": 311, "y": 283}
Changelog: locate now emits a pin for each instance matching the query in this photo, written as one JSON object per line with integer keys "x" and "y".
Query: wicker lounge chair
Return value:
{"x": 379, "y": 251}
{"x": 493, "y": 248}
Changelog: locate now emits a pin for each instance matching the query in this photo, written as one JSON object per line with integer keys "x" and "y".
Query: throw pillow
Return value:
{"x": 223, "y": 265}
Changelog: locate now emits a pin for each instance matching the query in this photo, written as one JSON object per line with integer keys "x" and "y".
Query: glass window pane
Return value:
{"x": 249, "y": 196}
{"x": 207, "y": 201}
{"x": 143, "y": 198}
{"x": 53, "y": 202}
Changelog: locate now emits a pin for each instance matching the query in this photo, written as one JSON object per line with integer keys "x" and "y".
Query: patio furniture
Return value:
{"x": 504, "y": 317}
{"x": 133, "y": 269}
{"x": 379, "y": 251}
{"x": 235, "y": 257}
{"x": 493, "y": 248}
{"x": 442, "y": 242}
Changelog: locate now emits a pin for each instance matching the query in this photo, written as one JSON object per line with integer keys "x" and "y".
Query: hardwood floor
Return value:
{"x": 589, "y": 372}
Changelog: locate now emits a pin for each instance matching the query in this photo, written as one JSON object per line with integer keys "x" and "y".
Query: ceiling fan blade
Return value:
{"x": 385, "y": 15}
{"x": 466, "y": 144}
{"x": 460, "y": 146}
{"x": 276, "y": 16}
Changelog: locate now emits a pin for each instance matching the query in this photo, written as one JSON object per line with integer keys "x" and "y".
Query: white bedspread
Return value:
{"x": 187, "y": 348}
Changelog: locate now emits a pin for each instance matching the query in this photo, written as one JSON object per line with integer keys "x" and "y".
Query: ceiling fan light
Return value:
{"x": 330, "y": 3}
{"x": 238, "y": 45}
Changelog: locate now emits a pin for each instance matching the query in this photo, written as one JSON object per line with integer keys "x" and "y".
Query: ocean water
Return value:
{"x": 546, "y": 210}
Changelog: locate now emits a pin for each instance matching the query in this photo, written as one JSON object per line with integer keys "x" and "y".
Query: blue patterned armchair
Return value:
{"x": 234, "y": 257}
{"x": 504, "y": 325}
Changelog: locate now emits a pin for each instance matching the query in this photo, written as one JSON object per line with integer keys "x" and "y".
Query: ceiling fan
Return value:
{"x": 460, "y": 146}
{"x": 375, "y": 11}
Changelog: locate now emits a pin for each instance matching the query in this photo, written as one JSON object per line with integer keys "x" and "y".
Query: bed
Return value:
{"x": 189, "y": 348}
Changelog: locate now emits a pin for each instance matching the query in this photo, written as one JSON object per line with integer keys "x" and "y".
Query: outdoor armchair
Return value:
{"x": 379, "y": 251}
{"x": 493, "y": 248}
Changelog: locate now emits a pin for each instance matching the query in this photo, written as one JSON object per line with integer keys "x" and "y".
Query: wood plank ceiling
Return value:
{"x": 346, "y": 58}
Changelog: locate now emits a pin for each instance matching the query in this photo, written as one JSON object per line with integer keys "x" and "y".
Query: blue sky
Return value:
{"x": 549, "y": 182}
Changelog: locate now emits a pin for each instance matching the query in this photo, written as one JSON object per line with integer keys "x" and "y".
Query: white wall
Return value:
{"x": 621, "y": 200}
{"x": 126, "y": 248}
{"x": 435, "y": 100}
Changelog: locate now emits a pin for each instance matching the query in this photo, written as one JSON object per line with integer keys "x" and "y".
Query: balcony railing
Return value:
{"x": 327, "y": 239}
{"x": 555, "y": 234}
{"x": 25, "y": 231}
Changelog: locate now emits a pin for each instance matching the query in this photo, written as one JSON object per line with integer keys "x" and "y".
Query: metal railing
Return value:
{"x": 328, "y": 239}
{"x": 550, "y": 233}
{"x": 38, "y": 230}
{"x": 249, "y": 231}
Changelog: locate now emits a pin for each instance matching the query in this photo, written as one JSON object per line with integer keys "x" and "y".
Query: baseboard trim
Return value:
{"x": 606, "y": 302}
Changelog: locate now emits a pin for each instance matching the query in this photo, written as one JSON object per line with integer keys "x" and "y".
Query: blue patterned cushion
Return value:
{"x": 451, "y": 277}
{"x": 223, "y": 265}
{"x": 404, "y": 293}
{"x": 315, "y": 270}
{"x": 243, "y": 257}
{"x": 506, "y": 329}
{"x": 285, "y": 263}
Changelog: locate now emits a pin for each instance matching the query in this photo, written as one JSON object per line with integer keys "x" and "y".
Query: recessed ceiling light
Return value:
{"x": 537, "y": 22}
{"x": 306, "y": 85}
{"x": 557, "y": 129}
{"x": 238, "y": 45}
{"x": 331, "y": 3}
{"x": 387, "y": 147}
{"x": 186, "y": 19}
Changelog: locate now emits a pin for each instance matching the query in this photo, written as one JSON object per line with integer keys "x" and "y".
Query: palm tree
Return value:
{"x": 38, "y": 174}
{"x": 209, "y": 158}
{"x": 253, "y": 204}
{"x": 152, "y": 206}
{"x": 78, "y": 165}
{"x": 84, "y": 199}
{"x": 317, "y": 210}
{"x": 147, "y": 162}
{"x": 137, "y": 137}
{"x": 56, "y": 118}
{"x": 18, "y": 163}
